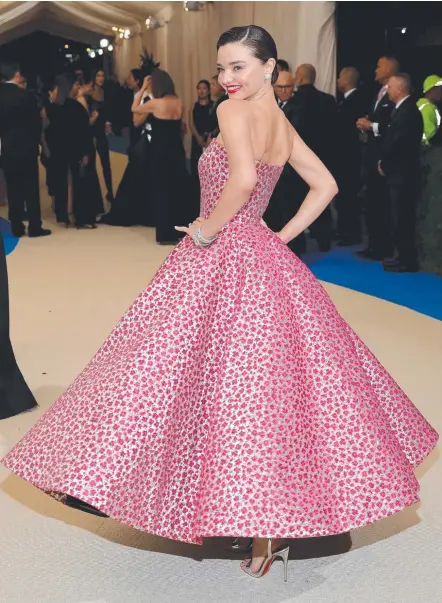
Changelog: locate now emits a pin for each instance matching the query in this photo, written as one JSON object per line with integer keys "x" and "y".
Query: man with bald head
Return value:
{"x": 349, "y": 149}
{"x": 284, "y": 88}
{"x": 399, "y": 165}
{"x": 316, "y": 123}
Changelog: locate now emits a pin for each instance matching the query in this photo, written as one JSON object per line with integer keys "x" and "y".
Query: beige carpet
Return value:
{"x": 67, "y": 292}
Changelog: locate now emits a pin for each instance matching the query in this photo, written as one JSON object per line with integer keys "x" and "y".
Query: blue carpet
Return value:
{"x": 9, "y": 240}
{"x": 420, "y": 292}
{"x": 118, "y": 144}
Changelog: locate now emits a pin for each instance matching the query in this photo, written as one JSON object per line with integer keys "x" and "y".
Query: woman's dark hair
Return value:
{"x": 138, "y": 76}
{"x": 206, "y": 83}
{"x": 63, "y": 83}
{"x": 283, "y": 65}
{"x": 257, "y": 39}
{"x": 162, "y": 84}
{"x": 95, "y": 73}
{"x": 86, "y": 78}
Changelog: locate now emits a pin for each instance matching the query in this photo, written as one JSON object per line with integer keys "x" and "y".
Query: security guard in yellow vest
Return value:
{"x": 427, "y": 106}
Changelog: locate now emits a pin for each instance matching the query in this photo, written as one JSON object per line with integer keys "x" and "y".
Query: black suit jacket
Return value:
{"x": 348, "y": 144}
{"x": 380, "y": 113}
{"x": 20, "y": 123}
{"x": 315, "y": 119}
{"x": 402, "y": 142}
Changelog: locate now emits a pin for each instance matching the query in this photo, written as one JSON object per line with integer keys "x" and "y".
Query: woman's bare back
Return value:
{"x": 169, "y": 107}
{"x": 271, "y": 134}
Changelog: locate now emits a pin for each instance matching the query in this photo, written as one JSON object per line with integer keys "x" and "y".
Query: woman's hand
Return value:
{"x": 94, "y": 117}
{"x": 192, "y": 228}
{"x": 278, "y": 234}
{"x": 200, "y": 141}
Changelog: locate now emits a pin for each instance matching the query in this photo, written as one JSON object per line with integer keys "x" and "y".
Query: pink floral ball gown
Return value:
{"x": 232, "y": 400}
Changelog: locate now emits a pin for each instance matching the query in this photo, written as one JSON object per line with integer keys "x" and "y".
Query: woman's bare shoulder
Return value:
{"x": 233, "y": 107}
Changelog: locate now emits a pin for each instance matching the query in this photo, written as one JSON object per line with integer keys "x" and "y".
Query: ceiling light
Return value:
{"x": 92, "y": 54}
{"x": 110, "y": 48}
{"x": 100, "y": 51}
{"x": 104, "y": 43}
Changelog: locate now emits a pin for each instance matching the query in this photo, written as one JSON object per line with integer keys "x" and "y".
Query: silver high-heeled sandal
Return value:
{"x": 267, "y": 563}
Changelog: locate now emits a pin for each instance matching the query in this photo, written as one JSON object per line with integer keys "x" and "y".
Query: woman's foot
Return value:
{"x": 264, "y": 552}
{"x": 260, "y": 552}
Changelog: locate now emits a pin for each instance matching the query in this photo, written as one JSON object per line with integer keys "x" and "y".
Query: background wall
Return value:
{"x": 186, "y": 46}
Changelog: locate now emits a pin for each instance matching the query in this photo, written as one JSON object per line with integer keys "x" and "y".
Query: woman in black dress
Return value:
{"x": 102, "y": 127}
{"x": 173, "y": 198}
{"x": 133, "y": 203}
{"x": 200, "y": 124}
{"x": 15, "y": 395}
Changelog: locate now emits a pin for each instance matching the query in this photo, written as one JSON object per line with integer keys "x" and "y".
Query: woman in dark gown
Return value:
{"x": 133, "y": 204}
{"x": 200, "y": 124}
{"x": 102, "y": 127}
{"x": 69, "y": 139}
{"x": 174, "y": 199}
{"x": 15, "y": 395}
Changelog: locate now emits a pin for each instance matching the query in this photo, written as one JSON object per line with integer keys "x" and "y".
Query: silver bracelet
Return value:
{"x": 200, "y": 240}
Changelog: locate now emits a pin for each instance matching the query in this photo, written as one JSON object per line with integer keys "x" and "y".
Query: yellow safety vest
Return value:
{"x": 431, "y": 118}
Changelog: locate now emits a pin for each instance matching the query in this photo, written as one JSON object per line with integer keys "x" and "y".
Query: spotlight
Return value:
{"x": 88, "y": 50}
{"x": 404, "y": 30}
{"x": 92, "y": 54}
{"x": 104, "y": 43}
{"x": 193, "y": 6}
{"x": 110, "y": 48}
{"x": 66, "y": 46}
{"x": 127, "y": 33}
{"x": 100, "y": 51}
{"x": 152, "y": 23}
{"x": 114, "y": 28}
{"x": 121, "y": 34}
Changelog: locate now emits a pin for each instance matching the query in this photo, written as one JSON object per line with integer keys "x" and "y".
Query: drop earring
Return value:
{"x": 267, "y": 77}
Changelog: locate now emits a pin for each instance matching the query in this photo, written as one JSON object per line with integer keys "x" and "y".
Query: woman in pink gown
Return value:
{"x": 232, "y": 399}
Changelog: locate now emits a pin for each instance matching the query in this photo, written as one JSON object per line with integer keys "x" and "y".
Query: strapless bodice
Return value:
{"x": 214, "y": 173}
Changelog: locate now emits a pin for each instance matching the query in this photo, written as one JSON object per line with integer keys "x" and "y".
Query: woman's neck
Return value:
{"x": 203, "y": 101}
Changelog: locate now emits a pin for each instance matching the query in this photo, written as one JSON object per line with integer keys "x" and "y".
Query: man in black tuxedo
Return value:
{"x": 316, "y": 123}
{"x": 400, "y": 166}
{"x": 290, "y": 190}
{"x": 20, "y": 129}
{"x": 350, "y": 157}
{"x": 377, "y": 203}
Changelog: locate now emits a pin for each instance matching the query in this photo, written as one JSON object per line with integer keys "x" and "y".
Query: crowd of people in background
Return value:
{"x": 384, "y": 154}
{"x": 385, "y": 157}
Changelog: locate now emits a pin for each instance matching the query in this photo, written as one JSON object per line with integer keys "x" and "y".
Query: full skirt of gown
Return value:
{"x": 15, "y": 395}
{"x": 232, "y": 399}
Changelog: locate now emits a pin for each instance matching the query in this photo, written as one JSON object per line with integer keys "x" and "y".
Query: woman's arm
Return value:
{"x": 322, "y": 185}
{"x": 138, "y": 120}
{"x": 233, "y": 118}
{"x": 142, "y": 109}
